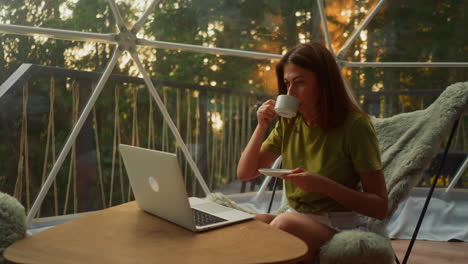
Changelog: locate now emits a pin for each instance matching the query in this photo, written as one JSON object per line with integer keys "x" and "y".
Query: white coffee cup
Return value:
{"x": 286, "y": 106}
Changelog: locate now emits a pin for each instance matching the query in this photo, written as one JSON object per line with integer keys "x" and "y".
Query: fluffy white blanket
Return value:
{"x": 410, "y": 141}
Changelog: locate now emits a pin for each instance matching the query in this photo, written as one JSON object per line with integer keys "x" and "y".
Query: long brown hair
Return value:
{"x": 335, "y": 100}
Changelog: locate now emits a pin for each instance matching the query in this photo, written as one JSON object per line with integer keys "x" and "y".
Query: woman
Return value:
{"x": 330, "y": 144}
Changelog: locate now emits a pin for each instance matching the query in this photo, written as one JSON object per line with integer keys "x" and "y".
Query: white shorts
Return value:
{"x": 338, "y": 221}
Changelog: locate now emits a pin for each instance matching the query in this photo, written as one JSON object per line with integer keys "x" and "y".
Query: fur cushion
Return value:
{"x": 357, "y": 247}
{"x": 12, "y": 222}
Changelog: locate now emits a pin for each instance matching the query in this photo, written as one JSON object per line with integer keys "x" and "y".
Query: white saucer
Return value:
{"x": 274, "y": 172}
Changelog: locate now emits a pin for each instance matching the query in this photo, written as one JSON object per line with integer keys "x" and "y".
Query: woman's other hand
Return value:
{"x": 306, "y": 180}
{"x": 266, "y": 112}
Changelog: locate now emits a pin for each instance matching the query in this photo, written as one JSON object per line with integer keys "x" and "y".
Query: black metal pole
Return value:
{"x": 428, "y": 199}
{"x": 396, "y": 259}
{"x": 273, "y": 194}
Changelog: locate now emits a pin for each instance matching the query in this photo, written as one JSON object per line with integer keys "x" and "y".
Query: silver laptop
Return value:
{"x": 159, "y": 189}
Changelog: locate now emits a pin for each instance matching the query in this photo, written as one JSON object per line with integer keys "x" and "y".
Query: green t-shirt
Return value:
{"x": 338, "y": 154}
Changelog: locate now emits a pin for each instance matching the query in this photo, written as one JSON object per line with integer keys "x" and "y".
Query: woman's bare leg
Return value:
{"x": 313, "y": 233}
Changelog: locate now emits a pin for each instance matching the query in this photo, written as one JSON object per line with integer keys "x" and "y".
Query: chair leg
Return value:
{"x": 273, "y": 194}
{"x": 396, "y": 259}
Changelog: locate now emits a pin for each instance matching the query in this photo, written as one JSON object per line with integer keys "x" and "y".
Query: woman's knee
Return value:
{"x": 283, "y": 222}
{"x": 303, "y": 227}
{"x": 266, "y": 218}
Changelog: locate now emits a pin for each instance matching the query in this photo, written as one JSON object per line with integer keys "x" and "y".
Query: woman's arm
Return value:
{"x": 254, "y": 157}
{"x": 372, "y": 201}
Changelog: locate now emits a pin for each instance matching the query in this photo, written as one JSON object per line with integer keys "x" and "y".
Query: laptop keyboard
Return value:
{"x": 203, "y": 219}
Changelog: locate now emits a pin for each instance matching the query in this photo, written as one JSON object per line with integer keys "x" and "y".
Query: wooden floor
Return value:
{"x": 431, "y": 252}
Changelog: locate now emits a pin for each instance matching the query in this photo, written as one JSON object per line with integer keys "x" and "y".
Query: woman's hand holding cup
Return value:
{"x": 266, "y": 112}
{"x": 285, "y": 106}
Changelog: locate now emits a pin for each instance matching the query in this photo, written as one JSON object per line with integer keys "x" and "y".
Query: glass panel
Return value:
{"x": 212, "y": 99}
{"x": 418, "y": 31}
{"x": 78, "y": 15}
{"x": 385, "y": 92}
{"x": 264, "y": 26}
{"x": 38, "y": 113}
{"x": 344, "y": 17}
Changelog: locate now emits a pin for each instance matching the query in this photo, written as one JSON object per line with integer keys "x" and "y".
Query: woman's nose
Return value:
{"x": 291, "y": 91}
